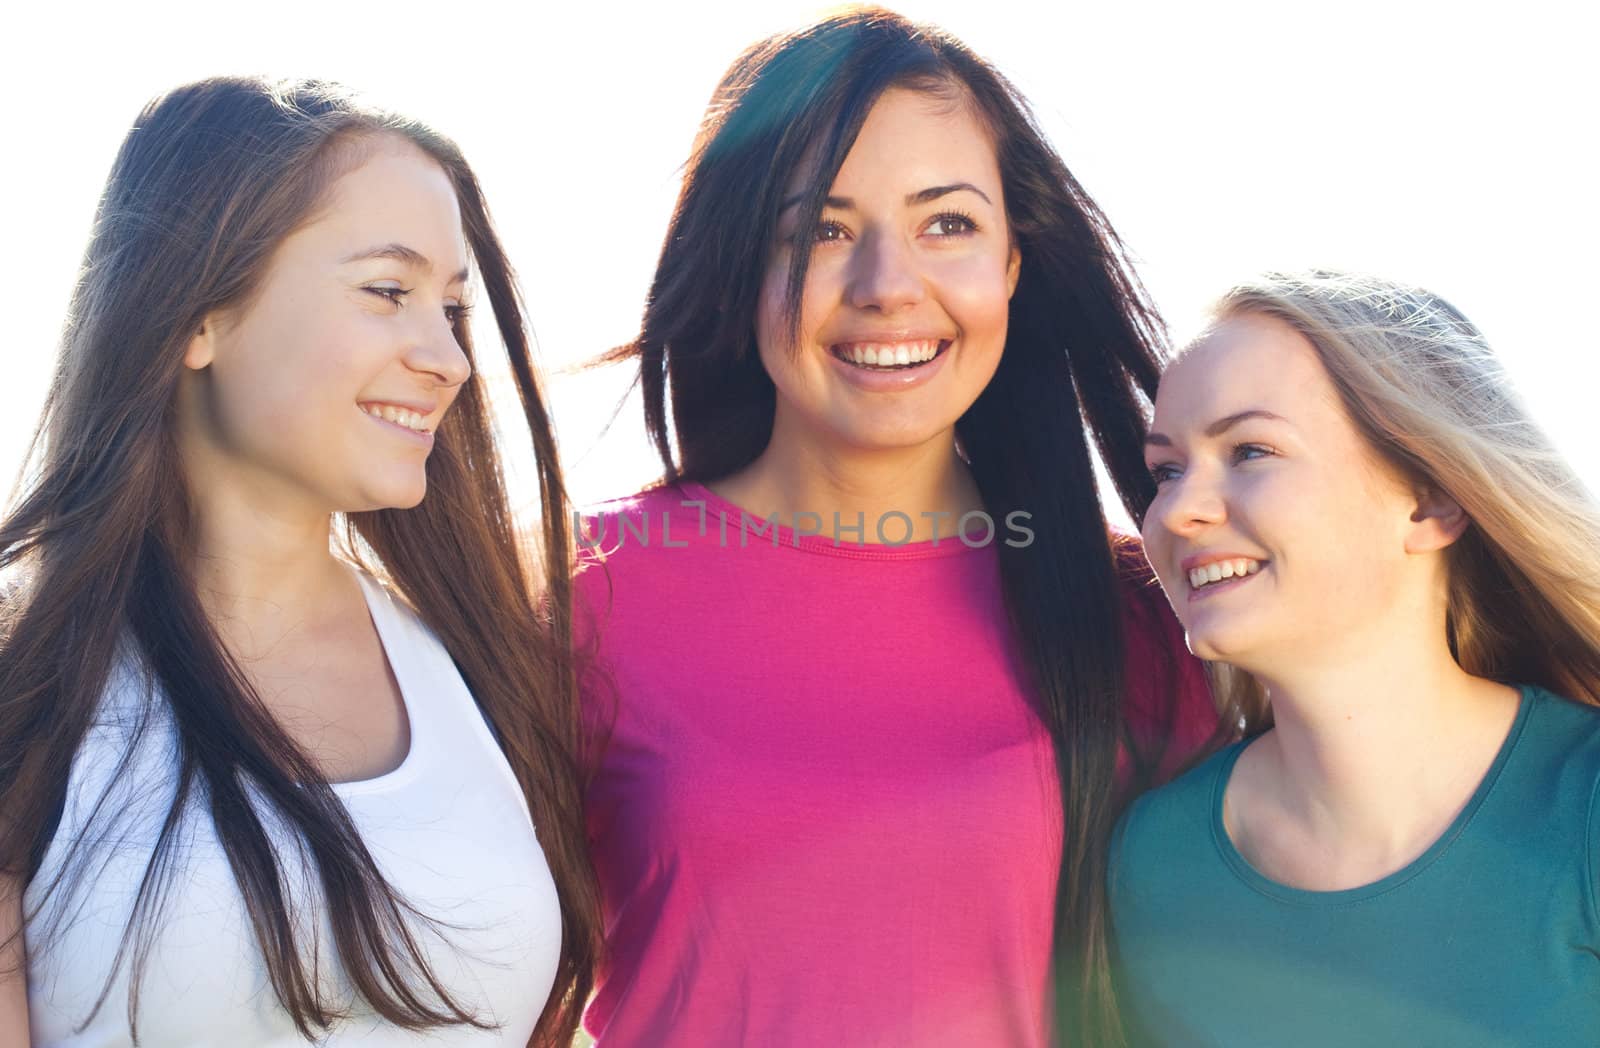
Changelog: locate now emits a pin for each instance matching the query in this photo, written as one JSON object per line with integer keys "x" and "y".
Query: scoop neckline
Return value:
{"x": 380, "y": 609}
{"x": 1260, "y": 882}
{"x": 944, "y": 546}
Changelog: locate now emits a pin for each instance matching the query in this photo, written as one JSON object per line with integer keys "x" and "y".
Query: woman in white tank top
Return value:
{"x": 247, "y": 796}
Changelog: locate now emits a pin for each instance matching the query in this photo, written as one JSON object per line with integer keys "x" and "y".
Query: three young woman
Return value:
{"x": 251, "y": 793}
{"x": 1402, "y": 577}
{"x": 873, "y": 678}
{"x": 873, "y": 673}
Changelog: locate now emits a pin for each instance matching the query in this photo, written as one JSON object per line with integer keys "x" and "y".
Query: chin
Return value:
{"x": 390, "y": 496}
{"x": 1215, "y": 646}
{"x": 874, "y": 436}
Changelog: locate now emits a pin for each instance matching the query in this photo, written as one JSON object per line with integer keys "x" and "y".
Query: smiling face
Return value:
{"x": 904, "y": 310}
{"x": 325, "y": 389}
{"x": 1278, "y": 533}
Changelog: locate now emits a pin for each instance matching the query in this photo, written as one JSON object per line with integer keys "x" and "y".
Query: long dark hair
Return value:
{"x": 212, "y": 178}
{"x": 1081, "y": 358}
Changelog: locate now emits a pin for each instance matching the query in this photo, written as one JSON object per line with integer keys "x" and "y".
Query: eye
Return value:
{"x": 1162, "y": 472}
{"x": 951, "y": 224}
{"x": 456, "y": 313}
{"x": 395, "y": 295}
{"x": 1249, "y": 452}
{"x": 829, "y": 232}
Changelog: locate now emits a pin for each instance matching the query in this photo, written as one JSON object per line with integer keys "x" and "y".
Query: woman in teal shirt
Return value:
{"x": 1398, "y": 581}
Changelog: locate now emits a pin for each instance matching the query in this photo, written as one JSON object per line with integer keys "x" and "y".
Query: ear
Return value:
{"x": 1013, "y": 270}
{"x": 1437, "y": 522}
{"x": 202, "y": 348}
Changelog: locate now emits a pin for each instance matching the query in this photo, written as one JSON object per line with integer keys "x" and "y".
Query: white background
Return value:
{"x": 1445, "y": 144}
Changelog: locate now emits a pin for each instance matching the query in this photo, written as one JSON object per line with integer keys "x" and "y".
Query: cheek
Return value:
{"x": 781, "y": 353}
{"x": 1158, "y": 552}
{"x": 1156, "y": 539}
{"x": 772, "y": 333}
{"x": 1332, "y": 548}
{"x": 300, "y": 372}
{"x": 976, "y": 294}
{"x": 769, "y": 311}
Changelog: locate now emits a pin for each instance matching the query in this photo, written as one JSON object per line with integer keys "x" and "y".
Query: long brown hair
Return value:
{"x": 1082, "y": 357}
{"x": 1425, "y": 390}
{"x": 212, "y": 178}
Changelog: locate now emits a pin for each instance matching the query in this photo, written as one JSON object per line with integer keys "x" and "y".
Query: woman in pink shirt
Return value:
{"x": 873, "y": 675}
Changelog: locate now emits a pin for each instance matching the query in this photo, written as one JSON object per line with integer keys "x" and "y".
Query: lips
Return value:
{"x": 889, "y": 354}
{"x": 1216, "y": 571}
{"x": 407, "y": 416}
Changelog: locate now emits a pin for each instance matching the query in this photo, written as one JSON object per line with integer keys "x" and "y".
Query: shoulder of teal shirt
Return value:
{"x": 1570, "y": 732}
{"x": 1167, "y": 823}
{"x": 1168, "y": 817}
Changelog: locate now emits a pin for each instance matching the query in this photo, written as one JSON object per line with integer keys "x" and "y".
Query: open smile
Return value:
{"x": 889, "y": 356}
{"x": 400, "y": 419}
{"x": 1219, "y": 576}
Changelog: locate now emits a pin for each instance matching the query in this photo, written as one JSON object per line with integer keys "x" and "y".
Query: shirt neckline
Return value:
{"x": 1265, "y": 885}
{"x": 380, "y": 606}
{"x": 944, "y": 546}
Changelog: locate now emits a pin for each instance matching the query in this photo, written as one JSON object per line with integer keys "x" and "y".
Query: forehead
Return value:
{"x": 1246, "y": 362}
{"x": 917, "y": 139}
{"x": 394, "y": 193}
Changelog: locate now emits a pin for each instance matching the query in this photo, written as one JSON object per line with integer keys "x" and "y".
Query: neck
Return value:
{"x": 261, "y": 566}
{"x": 928, "y": 483}
{"x": 1379, "y": 752}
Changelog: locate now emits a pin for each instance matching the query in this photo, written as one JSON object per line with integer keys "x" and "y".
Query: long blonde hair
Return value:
{"x": 1425, "y": 390}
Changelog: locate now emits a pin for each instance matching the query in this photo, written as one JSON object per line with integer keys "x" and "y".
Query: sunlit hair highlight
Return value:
{"x": 1428, "y": 394}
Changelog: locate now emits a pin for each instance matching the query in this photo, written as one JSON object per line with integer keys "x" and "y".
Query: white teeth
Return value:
{"x": 900, "y": 354}
{"x": 399, "y": 416}
{"x": 1216, "y": 571}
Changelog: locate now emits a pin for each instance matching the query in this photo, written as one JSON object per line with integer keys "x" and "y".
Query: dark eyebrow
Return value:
{"x": 922, "y": 196}
{"x": 935, "y": 192}
{"x": 1219, "y": 427}
{"x": 404, "y": 255}
{"x": 841, "y": 203}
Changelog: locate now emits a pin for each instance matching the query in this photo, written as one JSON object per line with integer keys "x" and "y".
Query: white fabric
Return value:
{"x": 449, "y": 829}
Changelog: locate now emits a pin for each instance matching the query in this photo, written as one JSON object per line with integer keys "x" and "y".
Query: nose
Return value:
{"x": 435, "y": 351}
{"x": 884, "y": 274}
{"x": 1188, "y": 504}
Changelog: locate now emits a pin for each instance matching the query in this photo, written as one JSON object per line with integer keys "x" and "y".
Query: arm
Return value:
{"x": 13, "y": 966}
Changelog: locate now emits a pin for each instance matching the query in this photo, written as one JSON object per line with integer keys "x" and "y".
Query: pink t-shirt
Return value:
{"x": 827, "y": 811}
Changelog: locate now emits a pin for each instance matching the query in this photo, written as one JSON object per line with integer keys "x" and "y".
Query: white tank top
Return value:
{"x": 449, "y": 829}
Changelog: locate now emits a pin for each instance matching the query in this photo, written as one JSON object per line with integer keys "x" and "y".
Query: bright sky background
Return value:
{"x": 1443, "y": 143}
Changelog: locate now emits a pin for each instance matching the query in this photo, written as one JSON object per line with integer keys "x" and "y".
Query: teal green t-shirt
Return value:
{"x": 1491, "y": 937}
